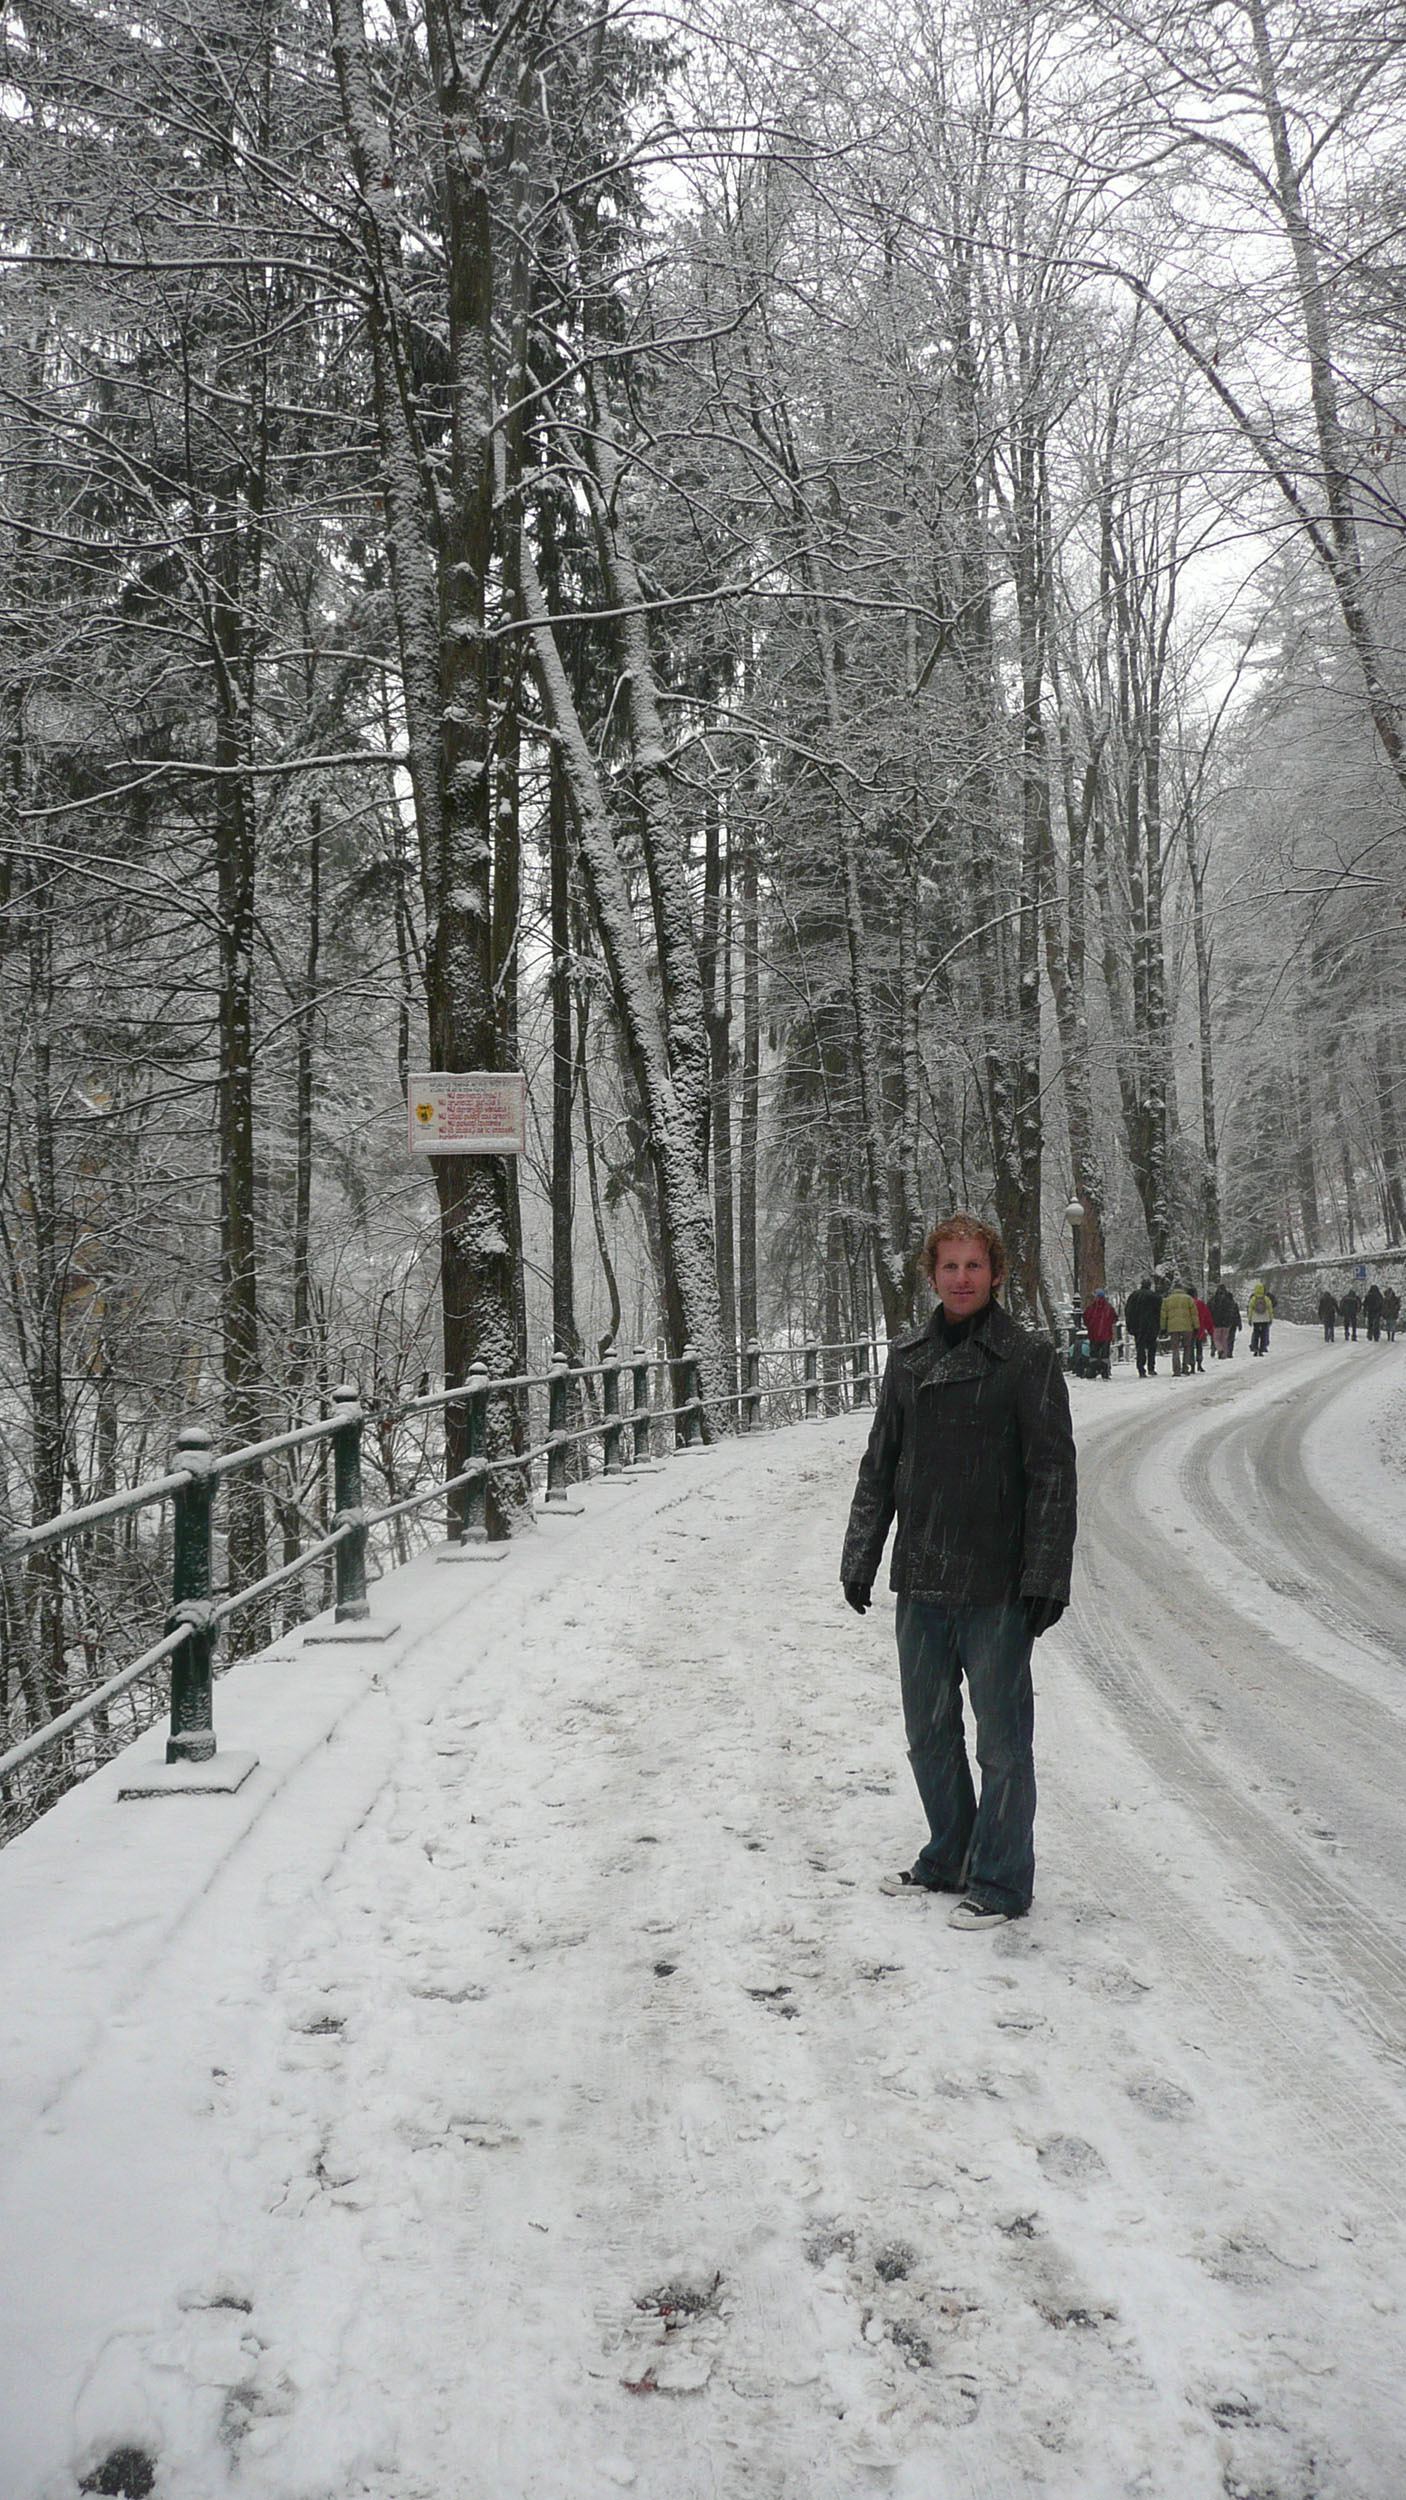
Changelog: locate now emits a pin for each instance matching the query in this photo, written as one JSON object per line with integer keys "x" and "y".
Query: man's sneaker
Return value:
{"x": 970, "y": 1914}
{"x": 911, "y": 1880}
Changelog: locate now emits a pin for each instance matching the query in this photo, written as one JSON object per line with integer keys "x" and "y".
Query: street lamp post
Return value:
{"x": 1074, "y": 1221}
{"x": 1074, "y": 1218}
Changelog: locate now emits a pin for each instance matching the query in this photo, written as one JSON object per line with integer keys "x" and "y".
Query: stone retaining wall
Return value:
{"x": 1296, "y": 1289}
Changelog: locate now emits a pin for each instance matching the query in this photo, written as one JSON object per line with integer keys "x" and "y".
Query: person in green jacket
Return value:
{"x": 1259, "y": 1311}
{"x": 1179, "y": 1323}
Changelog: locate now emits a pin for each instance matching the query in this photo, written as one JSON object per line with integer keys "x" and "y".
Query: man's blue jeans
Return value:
{"x": 987, "y": 1850}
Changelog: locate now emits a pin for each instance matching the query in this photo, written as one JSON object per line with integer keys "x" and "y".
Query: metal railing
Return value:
{"x": 777, "y": 1386}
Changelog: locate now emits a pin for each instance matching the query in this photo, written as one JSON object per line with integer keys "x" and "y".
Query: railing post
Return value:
{"x": 864, "y": 1373}
{"x": 752, "y": 1385}
{"x": 812, "y": 1387}
{"x": 556, "y": 1427}
{"x": 473, "y": 1497}
{"x": 192, "y": 1737}
{"x": 643, "y": 1444}
{"x": 610, "y": 1407}
{"x": 351, "y": 1605}
{"x": 690, "y": 1399}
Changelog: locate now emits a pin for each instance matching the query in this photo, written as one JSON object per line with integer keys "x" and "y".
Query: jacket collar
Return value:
{"x": 936, "y": 1362}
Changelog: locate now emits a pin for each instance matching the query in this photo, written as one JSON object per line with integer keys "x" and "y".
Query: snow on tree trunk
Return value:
{"x": 677, "y": 1148}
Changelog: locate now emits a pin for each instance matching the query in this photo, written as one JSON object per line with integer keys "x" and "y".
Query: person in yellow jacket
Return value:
{"x": 1259, "y": 1311}
{"x": 1179, "y": 1323}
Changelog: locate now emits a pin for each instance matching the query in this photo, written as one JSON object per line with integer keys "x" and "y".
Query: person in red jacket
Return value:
{"x": 1100, "y": 1320}
{"x": 1205, "y": 1327}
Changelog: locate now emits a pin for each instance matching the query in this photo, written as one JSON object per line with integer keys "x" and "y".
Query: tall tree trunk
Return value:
{"x": 1391, "y": 1113}
{"x": 675, "y": 1143}
{"x": 45, "y": 1350}
{"x": 564, "y": 1332}
{"x": 1210, "y": 1183}
{"x": 665, "y": 845}
{"x": 716, "y": 960}
{"x": 1066, "y": 959}
{"x": 751, "y": 1078}
{"x": 976, "y": 655}
{"x": 440, "y": 529}
{"x": 1340, "y": 546}
{"x": 231, "y": 637}
{"x": 300, "y": 1330}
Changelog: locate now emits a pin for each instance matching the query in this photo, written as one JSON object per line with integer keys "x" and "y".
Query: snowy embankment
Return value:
{"x": 520, "y": 2087}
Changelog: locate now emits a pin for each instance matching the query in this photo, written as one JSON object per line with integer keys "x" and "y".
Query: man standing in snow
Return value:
{"x": 1348, "y": 1309}
{"x": 1143, "y": 1317}
{"x": 972, "y": 1447}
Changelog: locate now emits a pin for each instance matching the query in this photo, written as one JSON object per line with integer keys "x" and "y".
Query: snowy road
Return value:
{"x": 521, "y": 2091}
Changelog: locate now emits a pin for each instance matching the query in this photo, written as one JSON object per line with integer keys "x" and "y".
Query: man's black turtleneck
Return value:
{"x": 953, "y": 1331}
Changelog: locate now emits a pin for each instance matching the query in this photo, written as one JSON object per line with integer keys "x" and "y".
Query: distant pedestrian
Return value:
{"x": 1328, "y": 1313}
{"x": 1372, "y": 1302}
{"x": 1348, "y": 1309}
{"x": 1205, "y": 1328}
{"x": 1100, "y": 1321}
{"x": 1179, "y": 1321}
{"x": 1391, "y": 1312}
{"x": 1225, "y": 1313}
{"x": 1142, "y": 1317}
{"x": 1260, "y": 1312}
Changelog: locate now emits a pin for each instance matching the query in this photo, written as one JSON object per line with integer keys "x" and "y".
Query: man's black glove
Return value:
{"x": 858, "y": 1594}
{"x": 1041, "y": 1613}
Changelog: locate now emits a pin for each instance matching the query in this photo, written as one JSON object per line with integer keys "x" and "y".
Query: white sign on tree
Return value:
{"x": 467, "y": 1112}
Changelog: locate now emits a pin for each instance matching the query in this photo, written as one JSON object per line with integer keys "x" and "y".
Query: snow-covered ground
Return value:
{"x": 520, "y": 2090}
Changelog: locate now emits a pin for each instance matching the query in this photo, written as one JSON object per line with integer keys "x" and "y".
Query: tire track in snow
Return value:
{"x": 1326, "y": 1561}
{"x": 1130, "y": 1609}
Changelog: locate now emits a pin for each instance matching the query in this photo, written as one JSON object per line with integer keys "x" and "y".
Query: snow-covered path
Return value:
{"x": 521, "y": 2088}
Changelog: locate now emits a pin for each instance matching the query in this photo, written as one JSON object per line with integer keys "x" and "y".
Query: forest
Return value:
{"x": 825, "y": 580}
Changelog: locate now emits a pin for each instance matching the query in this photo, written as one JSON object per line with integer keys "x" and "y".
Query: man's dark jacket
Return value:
{"x": 1142, "y": 1314}
{"x": 972, "y": 1446}
{"x": 1225, "y": 1310}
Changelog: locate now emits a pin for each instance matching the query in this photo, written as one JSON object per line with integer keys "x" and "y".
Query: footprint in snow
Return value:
{"x": 1160, "y": 2097}
{"x": 673, "y": 2336}
{"x": 895, "y": 2263}
{"x": 426, "y": 2135}
{"x": 124, "y": 2474}
{"x": 1123, "y": 1986}
{"x": 912, "y": 2343}
{"x": 969, "y": 2087}
{"x": 1064, "y": 2313}
{"x": 954, "y": 2399}
{"x": 1070, "y": 2160}
{"x": 1247, "y": 2262}
{"x": 1234, "y": 2412}
{"x": 1021, "y": 2226}
{"x": 777, "y": 2001}
{"x": 489, "y": 2134}
{"x": 826, "y": 2240}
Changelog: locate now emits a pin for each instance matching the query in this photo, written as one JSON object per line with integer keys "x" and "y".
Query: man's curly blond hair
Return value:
{"x": 964, "y": 1226}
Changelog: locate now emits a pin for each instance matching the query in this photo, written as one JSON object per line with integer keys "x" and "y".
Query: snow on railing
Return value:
{"x": 778, "y": 1386}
